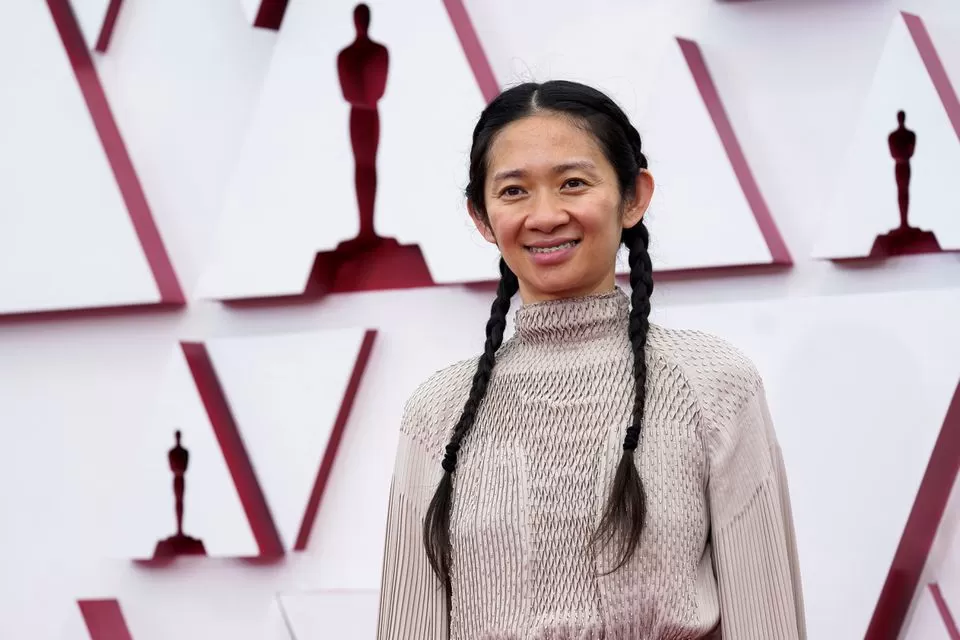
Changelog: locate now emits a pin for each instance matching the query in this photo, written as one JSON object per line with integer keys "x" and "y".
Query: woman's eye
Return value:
{"x": 574, "y": 183}
{"x": 511, "y": 192}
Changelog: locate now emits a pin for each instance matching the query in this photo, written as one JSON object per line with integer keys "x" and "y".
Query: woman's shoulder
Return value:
{"x": 433, "y": 408}
{"x": 719, "y": 373}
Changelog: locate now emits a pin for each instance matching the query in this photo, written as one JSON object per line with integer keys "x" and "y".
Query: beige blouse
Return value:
{"x": 717, "y": 556}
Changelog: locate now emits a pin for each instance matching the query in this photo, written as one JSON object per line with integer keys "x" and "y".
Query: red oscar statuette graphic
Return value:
{"x": 179, "y": 544}
{"x": 368, "y": 261}
{"x": 904, "y": 239}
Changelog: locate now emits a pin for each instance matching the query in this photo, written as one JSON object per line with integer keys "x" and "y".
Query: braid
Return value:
{"x": 641, "y": 283}
{"x": 436, "y": 524}
{"x": 625, "y": 511}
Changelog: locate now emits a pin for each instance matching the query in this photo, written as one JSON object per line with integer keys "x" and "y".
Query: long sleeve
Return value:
{"x": 752, "y": 529}
{"x": 412, "y": 603}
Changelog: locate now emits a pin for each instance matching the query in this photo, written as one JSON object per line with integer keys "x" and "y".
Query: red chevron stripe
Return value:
{"x": 738, "y": 160}
{"x": 944, "y": 610}
{"x": 270, "y": 15}
{"x": 109, "y": 22}
{"x": 104, "y": 620}
{"x": 333, "y": 445}
{"x": 473, "y": 48}
{"x": 920, "y": 530}
{"x": 938, "y": 74}
{"x": 116, "y": 151}
{"x": 234, "y": 452}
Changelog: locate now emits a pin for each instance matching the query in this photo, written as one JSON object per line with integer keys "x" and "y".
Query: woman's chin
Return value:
{"x": 554, "y": 288}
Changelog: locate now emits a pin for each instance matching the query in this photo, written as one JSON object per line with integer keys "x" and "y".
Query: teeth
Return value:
{"x": 565, "y": 245}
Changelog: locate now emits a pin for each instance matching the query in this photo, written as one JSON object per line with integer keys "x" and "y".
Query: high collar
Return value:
{"x": 565, "y": 320}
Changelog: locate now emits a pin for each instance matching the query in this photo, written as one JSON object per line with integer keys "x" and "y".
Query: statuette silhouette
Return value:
{"x": 904, "y": 239}
{"x": 367, "y": 261}
{"x": 362, "y": 67}
{"x": 179, "y": 544}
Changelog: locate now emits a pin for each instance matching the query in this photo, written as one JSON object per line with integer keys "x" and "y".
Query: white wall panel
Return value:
{"x": 293, "y": 194}
{"x": 864, "y": 203}
{"x": 857, "y": 383}
{"x": 183, "y": 79}
{"x": 66, "y": 237}
{"x": 287, "y": 393}
{"x": 213, "y": 511}
{"x": 91, "y": 15}
{"x": 335, "y": 614}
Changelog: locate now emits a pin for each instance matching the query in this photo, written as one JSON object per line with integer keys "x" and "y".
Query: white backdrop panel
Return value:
{"x": 629, "y": 51}
{"x": 322, "y": 615}
{"x": 699, "y": 198}
{"x": 285, "y": 392}
{"x": 91, "y": 15}
{"x": 840, "y": 371}
{"x": 72, "y": 625}
{"x": 432, "y": 103}
{"x": 66, "y": 239}
{"x": 213, "y": 511}
{"x": 183, "y": 79}
{"x": 293, "y": 192}
{"x": 864, "y": 195}
{"x": 616, "y": 46}
{"x": 926, "y": 623}
{"x": 858, "y": 388}
{"x": 74, "y": 396}
{"x": 250, "y": 9}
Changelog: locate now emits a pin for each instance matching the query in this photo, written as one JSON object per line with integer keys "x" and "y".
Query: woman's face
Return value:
{"x": 554, "y": 208}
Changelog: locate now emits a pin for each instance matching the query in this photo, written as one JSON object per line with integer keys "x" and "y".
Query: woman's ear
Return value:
{"x": 481, "y": 224}
{"x": 643, "y": 193}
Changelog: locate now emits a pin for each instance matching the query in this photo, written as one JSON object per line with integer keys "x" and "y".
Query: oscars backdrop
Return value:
{"x": 233, "y": 242}
{"x": 895, "y": 193}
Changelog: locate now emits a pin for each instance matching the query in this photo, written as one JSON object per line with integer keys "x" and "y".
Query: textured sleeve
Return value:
{"x": 752, "y": 529}
{"x": 412, "y": 603}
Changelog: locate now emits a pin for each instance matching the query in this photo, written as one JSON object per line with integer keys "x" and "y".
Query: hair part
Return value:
{"x": 625, "y": 510}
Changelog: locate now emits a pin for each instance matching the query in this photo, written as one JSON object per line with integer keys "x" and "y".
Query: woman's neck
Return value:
{"x": 531, "y": 295}
{"x": 573, "y": 319}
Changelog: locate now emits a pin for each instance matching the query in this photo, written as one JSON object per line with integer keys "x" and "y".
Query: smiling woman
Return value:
{"x": 614, "y": 479}
{"x": 553, "y": 206}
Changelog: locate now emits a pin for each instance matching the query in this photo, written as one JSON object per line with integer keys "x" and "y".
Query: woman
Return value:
{"x": 599, "y": 476}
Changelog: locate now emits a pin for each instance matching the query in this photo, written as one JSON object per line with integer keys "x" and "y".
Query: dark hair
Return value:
{"x": 623, "y": 517}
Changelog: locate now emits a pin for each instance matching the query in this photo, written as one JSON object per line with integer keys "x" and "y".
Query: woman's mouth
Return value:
{"x": 552, "y": 249}
{"x": 553, "y": 254}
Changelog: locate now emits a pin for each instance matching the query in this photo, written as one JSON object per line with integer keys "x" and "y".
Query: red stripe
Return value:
{"x": 945, "y": 614}
{"x": 313, "y": 504}
{"x": 234, "y": 452}
{"x": 738, "y": 160}
{"x": 109, "y": 22}
{"x": 938, "y": 74}
{"x": 921, "y": 528}
{"x": 473, "y": 49}
{"x": 270, "y": 14}
{"x": 116, "y": 151}
{"x": 104, "y": 620}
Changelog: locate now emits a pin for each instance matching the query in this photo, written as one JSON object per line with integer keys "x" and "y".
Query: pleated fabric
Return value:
{"x": 718, "y": 555}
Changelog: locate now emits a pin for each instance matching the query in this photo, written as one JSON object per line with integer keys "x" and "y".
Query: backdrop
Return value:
{"x": 194, "y": 238}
